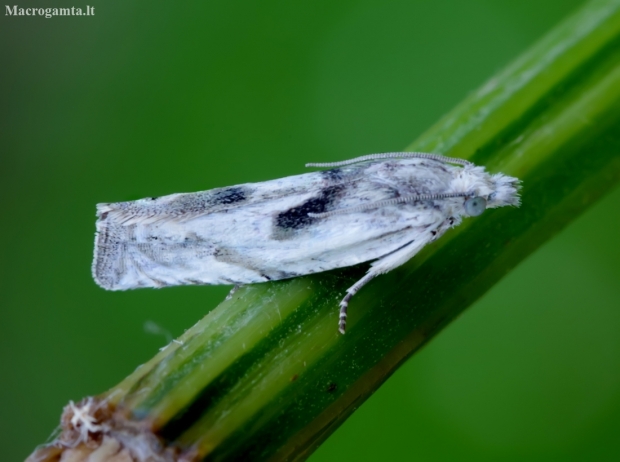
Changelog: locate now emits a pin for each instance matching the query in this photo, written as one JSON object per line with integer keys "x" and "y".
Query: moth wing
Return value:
{"x": 264, "y": 231}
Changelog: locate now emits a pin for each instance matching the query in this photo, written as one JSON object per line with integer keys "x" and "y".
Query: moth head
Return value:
{"x": 482, "y": 190}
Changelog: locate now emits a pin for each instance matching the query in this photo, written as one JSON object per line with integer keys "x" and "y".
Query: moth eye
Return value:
{"x": 474, "y": 206}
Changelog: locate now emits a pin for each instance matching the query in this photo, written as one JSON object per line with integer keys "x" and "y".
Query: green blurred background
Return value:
{"x": 151, "y": 98}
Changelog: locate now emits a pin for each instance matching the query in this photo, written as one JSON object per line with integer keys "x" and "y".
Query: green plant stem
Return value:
{"x": 266, "y": 375}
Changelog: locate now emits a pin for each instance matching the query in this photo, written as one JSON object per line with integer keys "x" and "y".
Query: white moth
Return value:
{"x": 380, "y": 207}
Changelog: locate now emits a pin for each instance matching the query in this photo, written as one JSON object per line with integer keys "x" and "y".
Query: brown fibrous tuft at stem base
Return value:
{"x": 93, "y": 430}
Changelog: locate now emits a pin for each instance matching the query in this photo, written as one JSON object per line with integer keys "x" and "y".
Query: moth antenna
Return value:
{"x": 392, "y": 155}
{"x": 384, "y": 203}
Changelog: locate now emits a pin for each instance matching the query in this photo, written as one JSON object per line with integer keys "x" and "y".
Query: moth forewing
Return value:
{"x": 382, "y": 208}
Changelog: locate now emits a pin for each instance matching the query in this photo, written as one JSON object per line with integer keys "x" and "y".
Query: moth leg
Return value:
{"x": 382, "y": 265}
{"x": 344, "y": 304}
{"x": 235, "y": 288}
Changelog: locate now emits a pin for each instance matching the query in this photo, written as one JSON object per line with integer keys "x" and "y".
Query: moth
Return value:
{"x": 382, "y": 208}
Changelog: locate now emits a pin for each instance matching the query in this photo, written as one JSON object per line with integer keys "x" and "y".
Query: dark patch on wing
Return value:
{"x": 226, "y": 255}
{"x": 297, "y": 217}
{"x": 276, "y": 275}
{"x": 191, "y": 205}
{"x": 335, "y": 174}
{"x": 227, "y": 196}
{"x": 287, "y": 274}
